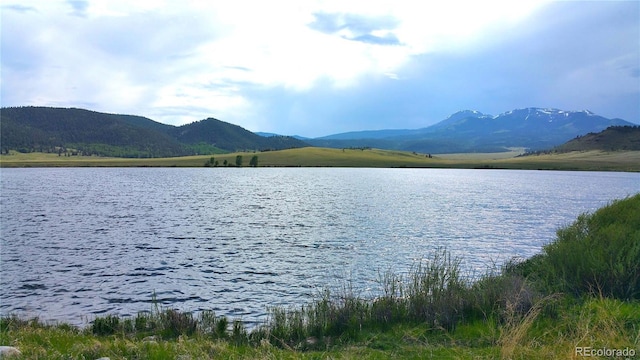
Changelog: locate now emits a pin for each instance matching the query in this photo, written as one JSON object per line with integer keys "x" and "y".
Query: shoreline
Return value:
{"x": 620, "y": 161}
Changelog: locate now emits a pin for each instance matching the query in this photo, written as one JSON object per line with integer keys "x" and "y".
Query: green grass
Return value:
{"x": 542, "y": 307}
{"x": 599, "y": 254}
{"x": 552, "y": 329}
{"x": 324, "y": 157}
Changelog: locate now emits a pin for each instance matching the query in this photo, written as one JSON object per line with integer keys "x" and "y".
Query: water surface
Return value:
{"x": 80, "y": 242}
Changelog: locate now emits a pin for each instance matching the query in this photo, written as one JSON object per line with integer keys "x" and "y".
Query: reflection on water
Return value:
{"x": 80, "y": 242}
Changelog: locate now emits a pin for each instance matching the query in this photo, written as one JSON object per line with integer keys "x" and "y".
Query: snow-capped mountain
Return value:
{"x": 474, "y": 131}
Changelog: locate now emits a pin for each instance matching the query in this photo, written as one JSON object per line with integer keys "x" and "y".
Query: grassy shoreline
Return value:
{"x": 582, "y": 291}
{"x": 324, "y": 157}
{"x": 553, "y": 329}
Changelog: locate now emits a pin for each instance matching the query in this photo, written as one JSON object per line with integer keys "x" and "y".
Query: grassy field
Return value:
{"x": 324, "y": 157}
{"x": 513, "y": 152}
{"x": 595, "y": 160}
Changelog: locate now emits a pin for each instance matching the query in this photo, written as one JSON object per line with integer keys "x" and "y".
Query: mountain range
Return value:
{"x": 473, "y": 131}
{"x": 51, "y": 129}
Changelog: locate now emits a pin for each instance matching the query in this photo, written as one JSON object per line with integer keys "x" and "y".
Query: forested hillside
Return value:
{"x": 231, "y": 137}
{"x": 46, "y": 129}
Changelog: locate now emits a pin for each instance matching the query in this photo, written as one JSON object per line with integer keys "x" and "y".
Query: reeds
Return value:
{"x": 433, "y": 294}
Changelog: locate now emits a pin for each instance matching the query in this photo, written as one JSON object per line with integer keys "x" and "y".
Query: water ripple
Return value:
{"x": 95, "y": 241}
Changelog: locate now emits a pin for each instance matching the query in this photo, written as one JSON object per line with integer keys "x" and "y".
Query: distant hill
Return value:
{"x": 50, "y": 129}
{"x": 231, "y": 137}
{"x": 267, "y": 134}
{"x": 614, "y": 138}
{"x": 473, "y": 131}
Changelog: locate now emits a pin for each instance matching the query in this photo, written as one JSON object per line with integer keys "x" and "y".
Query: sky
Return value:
{"x": 320, "y": 67}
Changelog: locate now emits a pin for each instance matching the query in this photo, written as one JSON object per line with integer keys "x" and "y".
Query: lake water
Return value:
{"x": 79, "y": 242}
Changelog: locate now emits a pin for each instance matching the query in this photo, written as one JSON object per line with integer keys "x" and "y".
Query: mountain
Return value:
{"x": 230, "y": 137}
{"x": 45, "y": 129}
{"x": 473, "y": 131}
{"x": 53, "y": 129}
{"x": 268, "y": 134}
{"x": 614, "y": 138}
{"x": 399, "y": 133}
{"x": 368, "y": 134}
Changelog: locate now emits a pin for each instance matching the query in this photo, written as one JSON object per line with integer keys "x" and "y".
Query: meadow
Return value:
{"x": 324, "y": 157}
{"x": 580, "y": 295}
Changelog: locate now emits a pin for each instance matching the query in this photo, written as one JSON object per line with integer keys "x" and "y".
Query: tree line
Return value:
{"x": 212, "y": 162}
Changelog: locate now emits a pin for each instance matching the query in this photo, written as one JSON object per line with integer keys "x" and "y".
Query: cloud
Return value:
{"x": 387, "y": 39}
{"x": 332, "y": 23}
{"x": 113, "y": 62}
{"x": 367, "y": 29}
{"x": 318, "y": 67}
{"x": 19, "y": 8}
{"x": 560, "y": 57}
{"x": 79, "y": 7}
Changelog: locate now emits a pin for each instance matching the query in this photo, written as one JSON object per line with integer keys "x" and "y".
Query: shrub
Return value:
{"x": 178, "y": 323}
{"x": 107, "y": 325}
{"x": 239, "y": 334}
{"x": 211, "y": 162}
{"x": 221, "y": 327}
{"x": 501, "y": 296}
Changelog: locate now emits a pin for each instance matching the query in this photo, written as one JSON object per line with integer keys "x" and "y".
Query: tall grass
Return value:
{"x": 599, "y": 254}
{"x": 169, "y": 324}
{"x": 433, "y": 294}
{"x": 515, "y": 328}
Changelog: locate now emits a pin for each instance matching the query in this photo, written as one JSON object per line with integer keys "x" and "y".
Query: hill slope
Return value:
{"x": 473, "y": 131}
{"x": 614, "y": 138}
{"x": 230, "y": 137}
{"x": 49, "y": 129}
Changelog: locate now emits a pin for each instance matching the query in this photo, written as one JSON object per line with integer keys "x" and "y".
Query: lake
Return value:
{"x": 79, "y": 242}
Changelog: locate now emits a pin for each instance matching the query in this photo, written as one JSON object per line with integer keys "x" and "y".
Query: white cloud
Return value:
{"x": 451, "y": 25}
{"x": 181, "y": 61}
{"x": 274, "y": 39}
